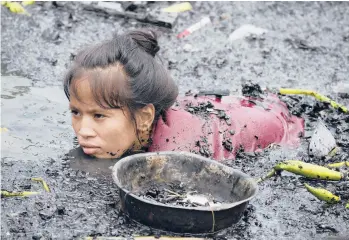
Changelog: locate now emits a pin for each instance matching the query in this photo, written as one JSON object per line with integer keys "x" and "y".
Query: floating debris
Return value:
{"x": 269, "y": 175}
{"x": 15, "y": 7}
{"x": 203, "y": 22}
{"x": 144, "y": 238}
{"x": 318, "y": 96}
{"x": 250, "y": 89}
{"x": 332, "y": 153}
{"x": 338, "y": 165}
{"x": 228, "y": 145}
{"x": 3, "y": 130}
{"x": 309, "y": 170}
{"x": 44, "y": 184}
{"x": 245, "y": 31}
{"x": 112, "y": 8}
{"x": 197, "y": 199}
{"x": 322, "y": 142}
{"x": 26, "y": 3}
{"x": 300, "y": 44}
{"x": 180, "y": 7}
{"x": 18, "y": 194}
{"x": 160, "y": 18}
{"x": 175, "y": 194}
{"x": 323, "y": 194}
{"x": 154, "y": 16}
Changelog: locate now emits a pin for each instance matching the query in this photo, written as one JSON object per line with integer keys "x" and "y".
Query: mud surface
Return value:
{"x": 307, "y": 46}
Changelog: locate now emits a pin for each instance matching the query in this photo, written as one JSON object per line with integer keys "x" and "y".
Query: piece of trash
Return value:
{"x": 300, "y": 44}
{"x": 16, "y": 7}
{"x": 166, "y": 238}
{"x": 154, "y": 16}
{"x": 245, "y": 31}
{"x": 110, "y": 7}
{"x": 18, "y": 194}
{"x": 225, "y": 16}
{"x": 323, "y": 194}
{"x": 129, "y": 6}
{"x": 198, "y": 199}
{"x": 180, "y": 7}
{"x": 269, "y": 175}
{"x": 322, "y": 142}
{"x": 318, "y": 96}
{"x": 26, "y": 3}
{"x": 44, "y": 184}
{"x": 144, "y": 238}
{"x": 203, "y": 22}
{"x": 160, "y": 18}
{"x": 347, "y": 205}
{"x": 105, "y": 238}
{"x": 309, "y": 170}
{"x": 338, "y": 165}
{"x": 3, "y": 130}
{"x": 332, "y": 153}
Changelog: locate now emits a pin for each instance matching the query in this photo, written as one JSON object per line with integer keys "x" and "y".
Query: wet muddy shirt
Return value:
{"x": 220, "y": 128}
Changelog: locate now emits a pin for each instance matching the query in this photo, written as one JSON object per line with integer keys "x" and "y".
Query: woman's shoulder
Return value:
{"x": 217, "y": 128}
{"x": 176, "y": 130}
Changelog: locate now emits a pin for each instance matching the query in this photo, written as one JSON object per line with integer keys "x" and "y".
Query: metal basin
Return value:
{"x": 233, "y": 188}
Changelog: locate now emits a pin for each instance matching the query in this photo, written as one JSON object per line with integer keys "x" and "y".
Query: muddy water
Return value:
{"x": 83, "y": 202}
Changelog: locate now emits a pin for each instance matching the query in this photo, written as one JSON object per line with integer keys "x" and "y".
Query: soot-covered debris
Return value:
{"x": 205, "y": 109}
{"x": 204, "y": 147}
{"x": 176, "y": 194}
{"x": 300, "y": 44}
{"x": 227, "y": 144}
{"x": 250, "y": 89}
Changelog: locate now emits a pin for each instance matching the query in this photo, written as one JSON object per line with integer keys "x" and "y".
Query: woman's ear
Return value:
{"x": 145, "y": 117}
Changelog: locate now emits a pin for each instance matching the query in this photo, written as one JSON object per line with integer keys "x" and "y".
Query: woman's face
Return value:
{"x": 103, "y": 133}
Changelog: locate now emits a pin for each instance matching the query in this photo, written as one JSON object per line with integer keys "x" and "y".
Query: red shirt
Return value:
{"x": 218, "y": 129}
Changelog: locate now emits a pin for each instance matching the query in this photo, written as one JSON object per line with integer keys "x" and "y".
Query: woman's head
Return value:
{"x": 117, "y": 90}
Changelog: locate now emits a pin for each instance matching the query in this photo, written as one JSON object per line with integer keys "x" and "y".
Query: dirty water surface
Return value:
{"x": 307, "y": 46}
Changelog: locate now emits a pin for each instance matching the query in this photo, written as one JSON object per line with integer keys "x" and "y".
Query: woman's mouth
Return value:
{"x": 89, "y": 150}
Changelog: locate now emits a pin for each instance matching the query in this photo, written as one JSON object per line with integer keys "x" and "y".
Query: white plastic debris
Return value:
{"x": 245, "y": 31}
{"x": 198, "y": 199}
{"x": 322, "y": 141}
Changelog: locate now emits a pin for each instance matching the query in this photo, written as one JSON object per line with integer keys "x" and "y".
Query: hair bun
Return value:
{"x": 146, "y": 39}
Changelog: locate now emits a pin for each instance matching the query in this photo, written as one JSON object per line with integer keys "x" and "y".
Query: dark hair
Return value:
{"x": 141, "y": 81}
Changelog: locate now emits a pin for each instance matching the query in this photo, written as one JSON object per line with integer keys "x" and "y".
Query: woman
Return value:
{"x": 123, "y": 101}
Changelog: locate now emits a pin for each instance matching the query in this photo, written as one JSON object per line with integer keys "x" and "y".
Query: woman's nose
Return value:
{"x": 86, "y": 130}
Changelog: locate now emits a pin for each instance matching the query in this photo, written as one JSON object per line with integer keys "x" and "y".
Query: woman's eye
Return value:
{"x": 97, "y": 115}
{"x": 74, "y": 112}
